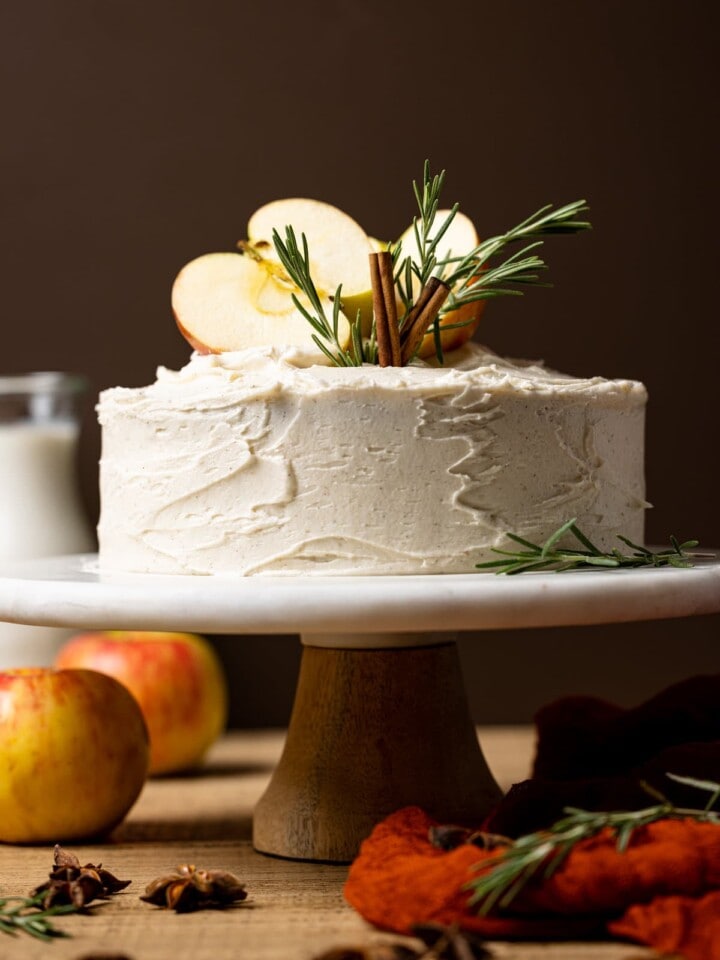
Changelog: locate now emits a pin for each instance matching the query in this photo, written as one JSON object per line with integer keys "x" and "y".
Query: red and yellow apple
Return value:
{"x": 74, "y": 754}
{"x": 176, "y": 678}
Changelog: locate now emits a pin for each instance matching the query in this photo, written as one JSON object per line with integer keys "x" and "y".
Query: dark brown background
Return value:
{"x": 136, "y": 136}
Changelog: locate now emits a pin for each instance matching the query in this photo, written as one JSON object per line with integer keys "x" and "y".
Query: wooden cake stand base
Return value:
{"x": 372, "y": 730}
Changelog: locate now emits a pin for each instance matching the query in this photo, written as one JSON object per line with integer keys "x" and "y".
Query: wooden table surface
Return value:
{"x": 294, "y": 910}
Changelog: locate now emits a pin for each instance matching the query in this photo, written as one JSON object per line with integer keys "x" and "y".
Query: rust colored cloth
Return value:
{"x": 672, "y": 924}
{"x": 663, "y": 891}
{"x": 593, "y": 754}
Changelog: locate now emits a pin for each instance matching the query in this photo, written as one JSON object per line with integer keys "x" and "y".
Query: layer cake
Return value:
{"x": 270, "y": 461}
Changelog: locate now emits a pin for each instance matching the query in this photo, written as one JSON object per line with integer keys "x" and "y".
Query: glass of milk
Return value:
{"x": 40, "y": 510}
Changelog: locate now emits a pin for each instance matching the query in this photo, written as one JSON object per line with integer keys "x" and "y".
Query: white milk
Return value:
{"x": 40, "y": 515}
{"x": 40, "y": 512}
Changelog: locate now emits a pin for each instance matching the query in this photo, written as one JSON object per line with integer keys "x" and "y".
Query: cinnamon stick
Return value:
{"x": 432, "y": 296}
{"x": 385, "y": 309}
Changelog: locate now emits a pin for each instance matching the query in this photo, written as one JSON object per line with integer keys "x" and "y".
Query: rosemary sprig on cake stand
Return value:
{"x": 541, "y": 854}
{"x": 561, "y": 559}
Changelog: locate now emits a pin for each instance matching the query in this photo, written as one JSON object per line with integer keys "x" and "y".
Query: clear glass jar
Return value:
{"x": 41, "y": 513}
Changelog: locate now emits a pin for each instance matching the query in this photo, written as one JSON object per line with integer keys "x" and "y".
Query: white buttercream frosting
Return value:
{"x": 264, "y": 462}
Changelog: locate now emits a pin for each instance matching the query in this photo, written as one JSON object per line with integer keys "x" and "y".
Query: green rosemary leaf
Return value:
{"x": 358, "y": 347}
{"x": 337, "y": 359}
{"x": 558, "y": 859}
{"x": 408, "y": 299}
{"x": 636, "y": 546}
{"x": 534, "y": 217}
{"x": 458, "y": 325}
{"x": 603, "y": 561}
{"x": 336, "y": 312}
{"x": 316, "y": 324}
{"x": 624, "y": 835}
{"x": 558, "y": 535}
{"x": 689, "y": 544}
{"x": 440, "y": 233}
{"x": 484, "y": 293}
{"x": 654, "y": 792}
{"x": 707, "y": 785}
{"x": 489, "y": 564}
{"x": 525, "y": 543}
{"x": 585, "y": 541}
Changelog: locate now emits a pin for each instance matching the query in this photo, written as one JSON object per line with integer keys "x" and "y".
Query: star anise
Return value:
{"x": 192, "y": 889}
{"x": 72, "y": 883}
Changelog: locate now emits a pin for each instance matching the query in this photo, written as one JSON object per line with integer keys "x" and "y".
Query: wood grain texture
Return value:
{"x": 294, "y": 911}
{"x": 372, "y": 731}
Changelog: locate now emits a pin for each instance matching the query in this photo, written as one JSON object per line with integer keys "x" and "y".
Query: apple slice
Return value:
{"x": 460, "y": 238}
{"x": 338, "y": 246}
{"x": 229, "y": 301}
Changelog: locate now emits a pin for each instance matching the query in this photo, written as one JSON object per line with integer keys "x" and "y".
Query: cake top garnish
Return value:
{"x": 309, "y": 276}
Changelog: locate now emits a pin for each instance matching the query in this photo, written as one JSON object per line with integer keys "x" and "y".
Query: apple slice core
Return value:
{"x": 338, "y": 246}
{"x": 227, "y": 301}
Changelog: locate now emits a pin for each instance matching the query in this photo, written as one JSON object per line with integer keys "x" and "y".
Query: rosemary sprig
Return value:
{"x": 297, "y": 264}
{"x": 411, "y": 277}
{"x": 560, "y": 559}
{"x": 469, "y": 278}
{"x": 27, "y": 915}
{"x": 542, "y": 853}
{"x": 428, "y": 201}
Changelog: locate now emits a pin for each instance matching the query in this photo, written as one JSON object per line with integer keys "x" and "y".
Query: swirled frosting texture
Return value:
{"x": 261, "y": 463}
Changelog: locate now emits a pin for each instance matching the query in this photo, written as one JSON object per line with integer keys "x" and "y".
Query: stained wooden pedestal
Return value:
{"x": 372, "y": 730}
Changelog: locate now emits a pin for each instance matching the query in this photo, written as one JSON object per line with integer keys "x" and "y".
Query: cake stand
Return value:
{"x": 380, "y": 718}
